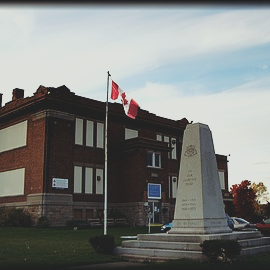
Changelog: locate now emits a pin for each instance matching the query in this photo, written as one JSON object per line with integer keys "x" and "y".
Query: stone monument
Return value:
{"x": 199, "y": 210}
{"x": 199, "y": 205}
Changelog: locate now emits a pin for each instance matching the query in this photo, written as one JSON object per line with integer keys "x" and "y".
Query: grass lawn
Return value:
{"x": 56, "y": 247}
{"x": 34, "y": 248}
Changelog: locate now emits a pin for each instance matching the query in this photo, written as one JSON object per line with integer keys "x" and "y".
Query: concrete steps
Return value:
{"x": 162, "y": 247}
{"x": 162, "y": 244}
{"x": 156, "y": 254}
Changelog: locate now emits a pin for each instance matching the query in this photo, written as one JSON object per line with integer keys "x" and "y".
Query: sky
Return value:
{"x": 207, "y": 63}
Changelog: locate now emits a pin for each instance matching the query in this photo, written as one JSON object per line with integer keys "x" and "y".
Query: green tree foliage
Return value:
{"x": 244, "y": 198}
{"x": 262, "y": 196}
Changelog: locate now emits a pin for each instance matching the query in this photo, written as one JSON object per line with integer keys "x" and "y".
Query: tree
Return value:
{"x": 262, "y": 196}
{"x": 244, "y": 198}
{"x": 261, "y": 208}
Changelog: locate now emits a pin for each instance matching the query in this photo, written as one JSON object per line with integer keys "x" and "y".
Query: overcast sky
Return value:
{"x": 207, "y": 63}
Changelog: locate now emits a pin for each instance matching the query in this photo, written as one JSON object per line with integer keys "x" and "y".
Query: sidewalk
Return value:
{"x": 113, "y": 265}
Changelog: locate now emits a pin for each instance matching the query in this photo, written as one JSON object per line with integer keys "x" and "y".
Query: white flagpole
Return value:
{"x": 106, "y": 161}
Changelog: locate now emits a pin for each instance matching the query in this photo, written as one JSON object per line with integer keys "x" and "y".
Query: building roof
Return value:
{"x": 61, "y": 97}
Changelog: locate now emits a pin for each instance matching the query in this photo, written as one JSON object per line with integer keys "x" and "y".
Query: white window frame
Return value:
{"x": 100, "y": 135}
{"x": 12, "y": 182}
{"x": 221, "y": 175}
{"x": 89, "y": 133}
{"x": 79, "y": 131}
{"x": 13, "y": 137}
{"x": 173, "y": 145}
{"x": 82, "y": 175}
{"x": 85, "y": 131}
{"x": 88, "y": 180}
{"x": 168, "y": 139}
{"x": 131, "y": 133}
{"x": 78, "y": 179}
{"x": 153, "y": 163}
{"x": 99, "y": 181}
{"x": 173, "y": 186}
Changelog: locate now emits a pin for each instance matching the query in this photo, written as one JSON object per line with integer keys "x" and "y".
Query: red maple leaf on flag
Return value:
{"x": 124, "y": 100}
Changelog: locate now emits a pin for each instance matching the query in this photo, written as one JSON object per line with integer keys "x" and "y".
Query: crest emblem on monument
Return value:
{"x": 191, "y": 151}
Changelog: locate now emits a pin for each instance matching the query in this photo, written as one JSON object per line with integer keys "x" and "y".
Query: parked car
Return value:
{"x": 242, "y": 224}
{"x": 166, "y": 227}
{"x": 264, "y": 226}
{"x": 230, "y": 222}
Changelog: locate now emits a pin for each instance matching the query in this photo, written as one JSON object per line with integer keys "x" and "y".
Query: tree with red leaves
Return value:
{"x": 243, "y": 199}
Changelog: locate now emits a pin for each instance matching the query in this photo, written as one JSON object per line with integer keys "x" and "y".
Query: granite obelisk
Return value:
{"x": 199, "y": 205}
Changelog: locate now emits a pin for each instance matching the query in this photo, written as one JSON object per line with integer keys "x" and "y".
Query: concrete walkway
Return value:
{"x": 113, "y": 265}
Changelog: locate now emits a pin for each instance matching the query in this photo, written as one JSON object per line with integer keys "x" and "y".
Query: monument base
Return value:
{"x": 164, "y": 246}
{"x": 200, "y": 226}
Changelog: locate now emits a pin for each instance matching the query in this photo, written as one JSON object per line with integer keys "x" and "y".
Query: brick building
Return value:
{"x": 52, "y": 158}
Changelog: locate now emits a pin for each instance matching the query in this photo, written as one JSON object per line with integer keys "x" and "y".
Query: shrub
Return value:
{"x": 25, "y": 219}
{"x": 221, "y": 251}
{"x": 15, "y": 217}
{"x": 43, "y": 222}
{"x": 102, "y": 244}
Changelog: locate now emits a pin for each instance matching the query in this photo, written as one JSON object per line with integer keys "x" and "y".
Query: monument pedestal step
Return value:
{"x": 158, "y": 254}
{"x": 162, "y": 247}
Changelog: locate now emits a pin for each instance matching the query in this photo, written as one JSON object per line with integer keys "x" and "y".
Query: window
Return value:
{"x": 99, "y": 181}
{"x": 12, "y": 182}
{"x": 173, "y": 185}
{"x": 100, "y": 135}
{"x": 130, "y": 133}
{"x": 85, "y": 131}
{"x": 167, "y": 140}
{"x": 88, "y": 180}
{"x": 79, "y": 131}
{"x": 13, "y": 137}
{"x": 89, "y": 133}
{"x": 77, "y": 179}
{"x": 154, "y": 159}
{"x": 171, "y": 143}
{"x": 221, "y": 179}
{"x": 84, "y": 180}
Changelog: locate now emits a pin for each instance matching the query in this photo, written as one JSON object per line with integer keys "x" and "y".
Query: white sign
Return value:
{"x": 59, "y": 183}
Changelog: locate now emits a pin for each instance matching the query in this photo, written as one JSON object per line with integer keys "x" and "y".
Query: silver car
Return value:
{"x": 241, "y": 224}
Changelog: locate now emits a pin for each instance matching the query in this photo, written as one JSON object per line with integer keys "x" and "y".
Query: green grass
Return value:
{"x": 56, "y": 247}
{"x": 34, "y": 248}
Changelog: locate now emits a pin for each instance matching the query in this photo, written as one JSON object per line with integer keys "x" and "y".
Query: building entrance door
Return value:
{"x": 155, "y": 210}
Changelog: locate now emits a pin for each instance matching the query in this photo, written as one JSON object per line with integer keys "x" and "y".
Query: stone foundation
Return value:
{"x": 60, "y": 209}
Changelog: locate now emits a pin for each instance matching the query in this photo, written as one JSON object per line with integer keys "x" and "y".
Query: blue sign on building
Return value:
{"x": 154, "y": 191}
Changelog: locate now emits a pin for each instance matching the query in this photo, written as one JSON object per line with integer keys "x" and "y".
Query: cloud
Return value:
{"x": 236, "y": 117}
{"x": 76, "y": 47}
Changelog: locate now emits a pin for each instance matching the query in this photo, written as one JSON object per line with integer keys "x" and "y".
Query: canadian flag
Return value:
{"x": 129, "y": 104}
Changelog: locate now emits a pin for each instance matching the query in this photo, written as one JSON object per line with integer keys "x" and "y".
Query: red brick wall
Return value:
{"x": 29, "y": 157}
